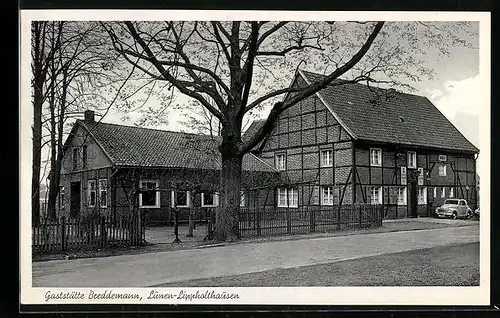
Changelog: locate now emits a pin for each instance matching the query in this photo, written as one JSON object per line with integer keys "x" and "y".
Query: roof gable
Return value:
{"x": 388, "y": 116}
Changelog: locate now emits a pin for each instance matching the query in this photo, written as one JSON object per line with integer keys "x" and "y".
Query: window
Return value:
{"x": 376, "y": 157}
{"x": 181, "y": 199}
{"x": 326, "y": 158}
{"x": 422, "y": 195}
{"x": 293, "y": 198}
{"x": 280, "y": 162}
{"x": 282, "y": 197}
{"x": 451, "y": 193}
{"x": 91, "y": 193}
{"x": 412, "y": 159}
{"x": 209, "y": 199}
{"x": 403, "y": 175}
{"x": 242, "y": 198}
{"x": 376, "y": 195}
{"x": 453, "y": 202}
{"x": 442, "y": 170}
{"x": 75, "y": 158}
{"x": 442, "y": 158}
{"x": 84, "y": 157}
{"x": 149, "y": 196}
{"x": 103, "y": 193}
{"x": 327, "y": 196}
{"x": 435, "y": 192}
{"x": 402, "y": 196}
{"x": 443, "y": 194}
{"x": 61, "y": 197}
{"x": 420, "y": 179}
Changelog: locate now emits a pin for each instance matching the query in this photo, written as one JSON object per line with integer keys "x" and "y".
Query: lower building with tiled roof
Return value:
{"x": 105, "y": 165}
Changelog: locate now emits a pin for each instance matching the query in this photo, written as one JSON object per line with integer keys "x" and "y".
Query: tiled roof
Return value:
{"x": 143, "y": 147}
{"x": 252, "y": 129}
{"x": 388, "y": 116}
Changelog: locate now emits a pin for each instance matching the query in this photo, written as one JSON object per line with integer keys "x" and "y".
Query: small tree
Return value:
{"x": 232, "y": 68}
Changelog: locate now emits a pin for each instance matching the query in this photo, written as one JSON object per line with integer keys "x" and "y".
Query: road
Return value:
{"x": 146, "y": 270}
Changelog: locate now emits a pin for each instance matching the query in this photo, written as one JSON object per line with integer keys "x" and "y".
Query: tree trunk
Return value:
{"x": 226, "y": 223}
{"x": 37, "y": 152}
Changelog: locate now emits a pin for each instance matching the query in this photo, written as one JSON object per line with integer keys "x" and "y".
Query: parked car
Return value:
{"x": 476, "y": 212}
{"x": 454, "y": 208}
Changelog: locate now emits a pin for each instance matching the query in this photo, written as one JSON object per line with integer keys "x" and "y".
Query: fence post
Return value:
{"x": 258, "y": 221}
{"x": 288, "y": 221}
{"x": 360, "y": 220}
{"x": 63, "y": 233}
{"x": 312, "y": 220}
{"x": 103, "y": 231}
{"x": 338, "y": 217}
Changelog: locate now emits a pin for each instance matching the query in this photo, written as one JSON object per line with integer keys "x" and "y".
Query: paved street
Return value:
{"x": 151, "y": 269}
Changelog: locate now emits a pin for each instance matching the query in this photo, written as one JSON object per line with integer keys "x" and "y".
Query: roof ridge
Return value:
{"x": 145, "y": 128}
{"x": 364, "y": 85}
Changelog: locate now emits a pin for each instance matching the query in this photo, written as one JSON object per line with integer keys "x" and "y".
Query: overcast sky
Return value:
{"x": 454, "y": 92}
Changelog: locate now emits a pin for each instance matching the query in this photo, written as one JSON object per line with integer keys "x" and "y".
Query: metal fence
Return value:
{"x": 66, "y": 234}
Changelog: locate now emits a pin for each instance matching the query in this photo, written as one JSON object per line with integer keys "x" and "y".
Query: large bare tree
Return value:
{"x": 232, "y": 68}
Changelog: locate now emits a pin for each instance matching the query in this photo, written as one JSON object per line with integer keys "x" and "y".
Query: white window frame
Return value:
{"x": 376, "y": 193}
{"x": 103, "y": 190}
{"x": 443, "y": 192}
{"x": 442, "y": 158}
{"x": 404, "y": 179}
{"x": 373, "y": 162}
{"x": 157, "y": 197}
{"x": 242, "y": 199}
{"x": 188, "y": 199}
{"x": 422, "y": 195}
{"x": 402, "y": 197}
{"x": 215, "y": 199}
{"x": 62, "y": 197}
{"x": 329, "y": 155}
{"x": 412, "y": 159}
{"x": 328, "y": 198}
{"x": 452, "y": 192}
{"x": 280, "y": 164}
{"x": 89, "y": 193}
{"x": 442, "y": 170}
{"x": 435, "y": 192}
{"x": 280, "y": 191}
{"x": 293, "y": 198}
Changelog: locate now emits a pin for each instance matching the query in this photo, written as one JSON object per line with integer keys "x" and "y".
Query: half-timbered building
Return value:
{"x": 351, "y": 143}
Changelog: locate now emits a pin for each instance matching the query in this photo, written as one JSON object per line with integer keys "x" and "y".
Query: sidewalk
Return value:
{"x": 157, "y": 268}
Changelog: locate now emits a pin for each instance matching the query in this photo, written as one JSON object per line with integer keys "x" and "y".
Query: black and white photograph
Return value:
{"x": 239, "y": 157}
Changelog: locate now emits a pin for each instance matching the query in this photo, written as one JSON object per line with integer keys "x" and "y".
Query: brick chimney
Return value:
{"x": 89, "y": 115}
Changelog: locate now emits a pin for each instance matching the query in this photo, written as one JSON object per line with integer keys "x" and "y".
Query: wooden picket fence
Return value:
{"x": 66, "y": 234}
{"x": 269, "y": 221}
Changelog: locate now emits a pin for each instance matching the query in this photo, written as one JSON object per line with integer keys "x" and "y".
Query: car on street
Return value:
{"x": 454, "y": 208}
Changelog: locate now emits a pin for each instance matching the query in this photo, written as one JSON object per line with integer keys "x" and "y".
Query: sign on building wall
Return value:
{"x": 420, "y": 176}
{"x": 403, "y": 175}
